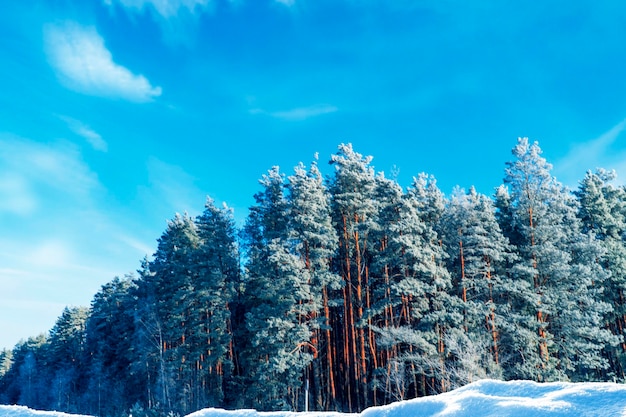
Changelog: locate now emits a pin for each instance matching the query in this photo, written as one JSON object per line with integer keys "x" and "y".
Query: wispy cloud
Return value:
{"x": 45, "y": 192}
{"x": 595, "y": 153}
{"x": 37, "y": 267}
{"x": 134, "y": 243}
{"x": 30, "y": 170}
{"x": 173, "y": 186}
{"x": 178, "y": 19}
{"x": 90, "y": 135}
{"x": 165, "y": 8}
{"x": 287, "y": 3}
{"x": 16, "y": 196}
{"x": 84, "y": 64}
{"x": 298, "y": 114}
{"x": 62, "y": 237}
{"x": 51, "y": 253}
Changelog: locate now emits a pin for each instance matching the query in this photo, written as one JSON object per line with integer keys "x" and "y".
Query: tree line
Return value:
{"x": 348, "y": 292}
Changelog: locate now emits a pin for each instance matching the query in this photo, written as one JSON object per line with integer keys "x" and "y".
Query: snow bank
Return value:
{"x": 19, "y": 411}
{"x": 481, "y": 399}
{"x": 515, "y": 399}
{"x": 489, "y": 399}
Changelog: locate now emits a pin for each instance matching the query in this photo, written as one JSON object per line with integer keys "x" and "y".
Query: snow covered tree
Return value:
{"x": 6, "y": 360}
{"x": 603, "y": 213}
{"x": 428, "y": 199}
{"x": 182, "y": 322}
{"x": 65, "y": 352}
{"x": 26, "y": 382}
{"x": 559, "y": 262}
{"x": 433, "y": 312}
{"x": 353, "y": 211}
{"x": 110, "y": 353}
{"x": 149, "y": 366}
{"x": 314, "y": 240}
{"x": 210, "y": 332}
{"x": 478, "y": 256}
{"x": 413, "y": 290}
{"x": 173, "y": 284}
{"x": 277, "y": 299}
{"x": 354, "y": 293}
{"x": 382, "y": 311}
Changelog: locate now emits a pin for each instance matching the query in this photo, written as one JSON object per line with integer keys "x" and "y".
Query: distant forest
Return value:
{"x": 345, "y": 292}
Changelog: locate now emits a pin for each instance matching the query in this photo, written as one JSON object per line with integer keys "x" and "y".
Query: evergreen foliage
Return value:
{"x": 603, "y": 213}
{"x": 563, "y": 324}
{"x": 348, "y": 292}
{"x": 112, "y": 380}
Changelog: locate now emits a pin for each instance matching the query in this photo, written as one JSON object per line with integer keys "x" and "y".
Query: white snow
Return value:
{"x": 485, "y": 398}
{"x": 19, "y": 411}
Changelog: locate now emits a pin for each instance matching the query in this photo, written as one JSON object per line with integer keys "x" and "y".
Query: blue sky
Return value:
{"x": 116, "y": 114}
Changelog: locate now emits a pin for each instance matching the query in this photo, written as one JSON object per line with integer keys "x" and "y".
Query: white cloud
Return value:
{"x": 81, "y": 129}
{"x": 178, "y": 19}
{"x": 140, "y": 247}
{"x": 165, "y": 8}
{"x": 287, "y": 3}
{"x": 62, "y": 236}
{"x": 84, "y": 64}
{"x": 297, "y": 114}
{"x": 595, "y": 153}
{"x": 30, "y": 170}
{"x": 16, "y": 196}
{"x": 170, "y": 184}
{"x": 51, "y": 253}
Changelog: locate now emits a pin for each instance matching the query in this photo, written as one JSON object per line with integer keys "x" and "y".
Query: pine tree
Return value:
{"x": 210, "y": 338}
{"x": 382, "y": 311}
{"x": 314, "y": 240}
{"x": 277, "y": 296}
{"x": 603, "y": 213}
{"x": 149, "y": 345}
{"x": 112, "y": 383}
{"x": 353, "y": 209}
{"x": 65, "y": 351}
{"x": 428, "y": 198}
{"x": 559, "y": 261}
{"x": 6, "y": 360}
{"x": 438, "y": 316}
{"x": 421, "y": 313}
{"x": 355, "y": 293}
{"x": 174, "y": 280}
{"x": 26, "y": 382}
{"x": 478, "y": 255}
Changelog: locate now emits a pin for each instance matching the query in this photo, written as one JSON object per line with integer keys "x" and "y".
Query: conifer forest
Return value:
{"x": 348, "y": 291}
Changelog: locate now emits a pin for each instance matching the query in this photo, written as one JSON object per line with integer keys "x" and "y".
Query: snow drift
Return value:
{"x": 481, "y": 399}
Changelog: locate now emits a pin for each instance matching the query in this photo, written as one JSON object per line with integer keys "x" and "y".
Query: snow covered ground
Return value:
{"x": 19, "y": 411}
{"x": 480, "y": 399}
